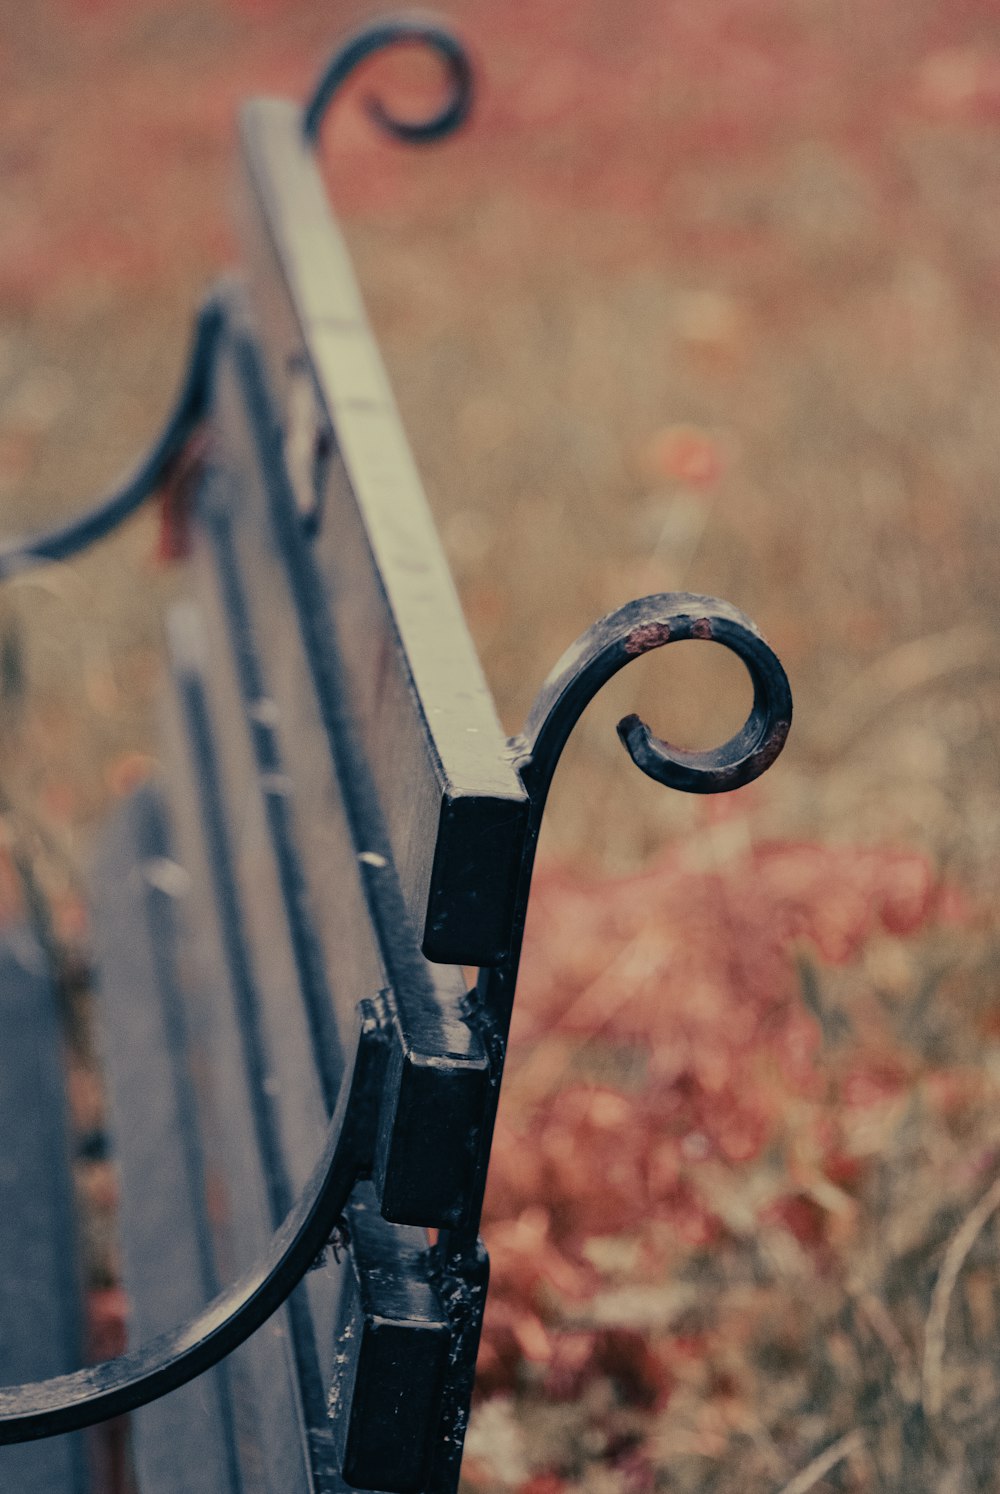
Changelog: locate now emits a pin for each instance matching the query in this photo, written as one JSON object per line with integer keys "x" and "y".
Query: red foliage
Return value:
{"x": 115, "y": 153}
{"x": 176, "y": 494}
{"x": 802, "y": 1216}
{"x": 107, "y": 1318}
{"x": 688, "y": 455}
{"x": 543, "y": 1483}
{"x": 681, "y": 988}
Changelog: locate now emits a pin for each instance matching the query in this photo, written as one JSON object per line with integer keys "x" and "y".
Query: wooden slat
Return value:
{"x": 301, "y": 1074}
{"x": 454, "y": 808}
{"x": 39, "y": 1283}
{"x": 168, "y": 1261}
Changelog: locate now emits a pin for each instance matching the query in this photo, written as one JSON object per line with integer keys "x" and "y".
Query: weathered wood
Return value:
{"x": 249, "y": 1116}
{"x": 168, "y": 1259}
{"x": 40, "y": 1281}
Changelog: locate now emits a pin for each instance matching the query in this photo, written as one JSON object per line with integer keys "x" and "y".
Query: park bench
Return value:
{"x": 302, "y": 1084}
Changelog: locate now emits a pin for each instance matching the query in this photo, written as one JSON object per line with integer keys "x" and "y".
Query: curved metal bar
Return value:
{"x": 391, "y": 32}
{"x": 624, "y": 635}
{"x": 132, "y": 491}
{"x": 614, "y": 641}
{"x": 67, "y": 1402}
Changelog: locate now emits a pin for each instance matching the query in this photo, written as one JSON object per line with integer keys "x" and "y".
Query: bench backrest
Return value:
{"x": 346, "y": 804}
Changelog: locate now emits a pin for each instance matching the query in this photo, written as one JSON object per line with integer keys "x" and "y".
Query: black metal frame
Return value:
{"x": 97, "y": 1392}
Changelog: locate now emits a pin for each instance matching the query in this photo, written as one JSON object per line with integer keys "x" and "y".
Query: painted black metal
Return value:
{"x": 149, "y": 474}
{"x": 372, "y": 39}
{"x": 393, "y": 1342}
{"x": 636, "y": 629}
{"x": 585, "y": 667}
{"x": 83, "y": 1397}
{"x": 359, "y": 822}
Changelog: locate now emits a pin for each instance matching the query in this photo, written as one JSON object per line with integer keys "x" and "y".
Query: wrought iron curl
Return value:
{"x": 147, "y": 476}
{"x": 378, "y": 37}
{"x": 637, "y": 629}
{"x": 585, "y": 667}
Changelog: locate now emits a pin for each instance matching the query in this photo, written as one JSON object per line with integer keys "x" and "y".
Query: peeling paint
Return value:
{"x": 649, "y": 636}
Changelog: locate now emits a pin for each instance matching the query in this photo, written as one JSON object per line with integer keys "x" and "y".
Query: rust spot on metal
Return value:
{"x": 702, "y": 628}
{"x": 650, "y": 635}
{"x": 772, "y": 744}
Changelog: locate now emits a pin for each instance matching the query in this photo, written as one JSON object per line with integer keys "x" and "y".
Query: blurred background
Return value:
{"x": 705, "y": 298}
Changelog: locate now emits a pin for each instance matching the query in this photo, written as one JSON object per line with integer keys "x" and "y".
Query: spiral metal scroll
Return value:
{"x": 624, "y": 635}
{"x": 396, "y": 31}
